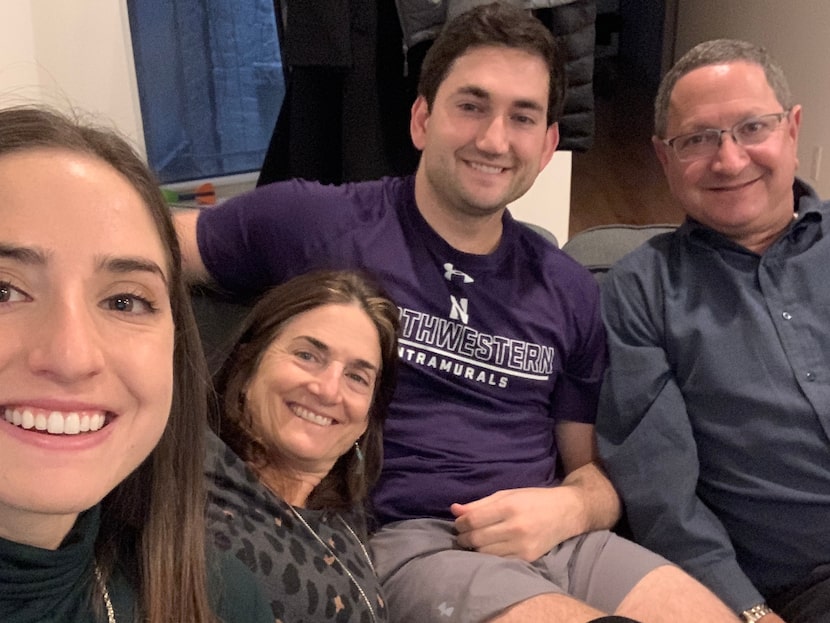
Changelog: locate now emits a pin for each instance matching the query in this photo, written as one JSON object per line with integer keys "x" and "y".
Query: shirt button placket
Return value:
{"x": 810, "y": 376}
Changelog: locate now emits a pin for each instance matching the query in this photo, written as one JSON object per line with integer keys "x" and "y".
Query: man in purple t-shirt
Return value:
{"x": 491, "y": 501}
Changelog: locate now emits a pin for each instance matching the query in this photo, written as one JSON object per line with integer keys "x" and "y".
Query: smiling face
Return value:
{"x": 486, "y": 137}
{"x": 86, "y": 339}
{"x": 745, "y": 192}
{"x": 309, "y": 397}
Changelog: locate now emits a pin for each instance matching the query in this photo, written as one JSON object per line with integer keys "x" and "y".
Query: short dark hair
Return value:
{"x": 347, "y": 485}
{"x": 499, "y": 25}
{"x": 717, "y": 52}
{"x": 157, "y": 513}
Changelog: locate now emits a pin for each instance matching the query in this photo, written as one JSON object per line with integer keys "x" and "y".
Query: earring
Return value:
{"x": 359, "y": 454}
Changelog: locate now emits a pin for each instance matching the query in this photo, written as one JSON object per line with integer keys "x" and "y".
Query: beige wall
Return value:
{"x": 796, "y": 34}
{"x": 548, "y": 201}
{"x": 70, "y": 53}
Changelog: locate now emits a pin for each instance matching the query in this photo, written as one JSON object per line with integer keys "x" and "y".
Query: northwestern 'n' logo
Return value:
{"x": 459, "y": 309}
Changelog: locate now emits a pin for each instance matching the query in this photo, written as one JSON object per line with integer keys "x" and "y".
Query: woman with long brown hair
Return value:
{"x": 102, "y": 386}
{"x": 302, "y": 400}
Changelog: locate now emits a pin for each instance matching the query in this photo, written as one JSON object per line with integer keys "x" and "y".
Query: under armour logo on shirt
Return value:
{"x": 451, "y": 272}
{"x": 445, "y": 610}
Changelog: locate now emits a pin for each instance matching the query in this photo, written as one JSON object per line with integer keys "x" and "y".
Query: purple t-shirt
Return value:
{"x": 495, "y": 349}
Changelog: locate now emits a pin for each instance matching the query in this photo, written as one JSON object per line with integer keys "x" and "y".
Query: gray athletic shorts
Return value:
{"x": 426, "y": 576}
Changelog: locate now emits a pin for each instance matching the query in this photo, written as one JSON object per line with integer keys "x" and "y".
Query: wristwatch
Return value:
{"x": 755, "y": 613}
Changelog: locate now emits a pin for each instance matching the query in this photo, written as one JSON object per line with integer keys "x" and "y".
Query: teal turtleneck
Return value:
{"x": 54, "y": 586}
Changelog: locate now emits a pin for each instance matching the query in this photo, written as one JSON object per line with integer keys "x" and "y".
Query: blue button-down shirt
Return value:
{"x": 715, "y": 413}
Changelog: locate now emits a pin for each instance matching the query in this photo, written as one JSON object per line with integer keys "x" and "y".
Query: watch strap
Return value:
{"x": 756, "y": 613}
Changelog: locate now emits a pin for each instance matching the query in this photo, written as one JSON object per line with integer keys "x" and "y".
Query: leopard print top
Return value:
{"x": 300, "y": 579}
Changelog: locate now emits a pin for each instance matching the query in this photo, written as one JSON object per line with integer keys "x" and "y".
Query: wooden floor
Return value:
{"x": 619, "y": 180}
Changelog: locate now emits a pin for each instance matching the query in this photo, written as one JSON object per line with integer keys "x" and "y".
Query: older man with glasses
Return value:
{"x": 714, "y": 418}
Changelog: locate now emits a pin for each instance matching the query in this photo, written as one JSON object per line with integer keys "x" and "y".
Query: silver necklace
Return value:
{"x": 107, "y": 601}
{"x": 340, "y": 562}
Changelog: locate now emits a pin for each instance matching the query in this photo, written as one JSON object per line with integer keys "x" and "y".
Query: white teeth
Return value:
{"x": 72, "y": 424}
{"x": 484, "y": 168}
{"x": 305, "y": 414}
{"x": 55, "y": 422}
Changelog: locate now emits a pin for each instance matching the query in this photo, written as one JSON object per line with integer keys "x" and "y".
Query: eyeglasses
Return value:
{"x": 705, "y": 144}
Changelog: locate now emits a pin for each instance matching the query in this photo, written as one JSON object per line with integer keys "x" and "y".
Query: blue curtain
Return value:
{"x": 210, "y": 84}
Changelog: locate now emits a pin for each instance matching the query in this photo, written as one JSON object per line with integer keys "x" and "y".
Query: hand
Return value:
{"x": 519, "y": 523}
{"x": 771, "y": 618}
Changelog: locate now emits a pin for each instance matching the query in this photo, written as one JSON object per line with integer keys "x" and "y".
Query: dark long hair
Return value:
{"x": 157, "y": 513}
{"x": 347, "y": 485}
